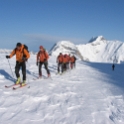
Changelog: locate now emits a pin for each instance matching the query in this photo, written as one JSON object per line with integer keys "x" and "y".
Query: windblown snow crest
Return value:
{"x": 65, "y": 47}
{"x": 98, "y": 49}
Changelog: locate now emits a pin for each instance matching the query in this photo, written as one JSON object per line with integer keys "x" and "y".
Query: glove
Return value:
{"x": 7, "y": 56}
{"x": 24, "y": 59}
{"x": 45, "y": 60}
{"x": 37, "y": 63}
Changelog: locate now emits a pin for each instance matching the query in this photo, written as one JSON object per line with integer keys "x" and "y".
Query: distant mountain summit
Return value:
{"x": 98, "y": 38}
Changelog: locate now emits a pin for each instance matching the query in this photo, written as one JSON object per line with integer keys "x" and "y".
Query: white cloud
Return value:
{"x": 50, "y": 38}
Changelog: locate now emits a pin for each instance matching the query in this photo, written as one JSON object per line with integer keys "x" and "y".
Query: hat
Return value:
{"x": 41, "y": 47}
{"x": 18, "y": 44}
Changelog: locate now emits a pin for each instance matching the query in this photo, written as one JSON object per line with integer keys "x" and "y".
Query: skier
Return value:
{"x": 60, "y": 62}
{"x": 42, "y": 58}
{"x": 73, "y": 60}
{"x": 65, "y": 60}
{"x": 68, "y": 61}
{"x": 113, "y": 66}
{"x": 22, "y": 56}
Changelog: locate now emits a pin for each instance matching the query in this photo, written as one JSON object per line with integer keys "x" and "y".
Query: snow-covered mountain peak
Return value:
{"x": 98, "y": 38}
{"x": 65, "y": 43}
{"x": 65, "y": 47}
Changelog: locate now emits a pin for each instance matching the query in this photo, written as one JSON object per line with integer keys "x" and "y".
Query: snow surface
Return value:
{"x": 89, "y": 94}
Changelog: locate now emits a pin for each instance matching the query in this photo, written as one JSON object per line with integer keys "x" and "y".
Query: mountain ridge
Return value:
{"x": 98, "y": 49}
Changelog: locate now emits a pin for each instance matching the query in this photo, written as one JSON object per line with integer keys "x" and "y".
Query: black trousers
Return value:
{"x": 46, "y": 67}
{"x": 73, "y": 65}
{"x": 64, "y": 66}
{"x": 68, "y": 65}
{"x": 18, "y": 66}
{"x": 60, "y": 67}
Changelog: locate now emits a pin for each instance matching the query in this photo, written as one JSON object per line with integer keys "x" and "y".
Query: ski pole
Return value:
{"x": 38, "y": 69}
{"x": 11, "y": 69}
{"x": 26, "y": 73}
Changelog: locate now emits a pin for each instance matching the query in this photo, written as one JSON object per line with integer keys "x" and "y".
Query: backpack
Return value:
{"x": 45, "y": 54}
{"x": 26, "y": 48}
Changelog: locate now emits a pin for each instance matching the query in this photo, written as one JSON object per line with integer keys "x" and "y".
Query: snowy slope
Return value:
{"x": 98, "y": 49}
{"x": 90, "y": 94}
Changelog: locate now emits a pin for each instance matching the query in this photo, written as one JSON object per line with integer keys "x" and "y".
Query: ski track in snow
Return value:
{"x": 85, "y": 95}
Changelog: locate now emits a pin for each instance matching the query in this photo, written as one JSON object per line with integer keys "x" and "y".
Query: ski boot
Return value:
{"x": 18, "y": 80}
{"x": 48, "y": 75}
{"x": 23, "y": 83}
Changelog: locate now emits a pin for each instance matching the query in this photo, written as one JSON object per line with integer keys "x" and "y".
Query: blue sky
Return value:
{"x": 45, "y": 22}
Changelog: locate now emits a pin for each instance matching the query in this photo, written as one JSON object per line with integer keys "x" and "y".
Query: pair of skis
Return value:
{"x": 18, "y": 86}
{"x": 15, "y": 86}
{"x": 42, "y": 78}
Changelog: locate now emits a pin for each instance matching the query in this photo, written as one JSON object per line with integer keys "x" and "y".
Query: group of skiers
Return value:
{"x": 65, "y": 62}
{"x": 22, "y": 55}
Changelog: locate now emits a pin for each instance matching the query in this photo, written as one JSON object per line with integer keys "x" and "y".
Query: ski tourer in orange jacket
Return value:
{"x": 42, "y": 58}
{"x": 60, "y": 58}
{"x": 65, "y": 59}
{"x": 68, "y": 61}
{"x": 42, "y": 55}
{"x": 68, "y": 58}
{"x": 20, "y": 53}
{"x": 72, "y": 59}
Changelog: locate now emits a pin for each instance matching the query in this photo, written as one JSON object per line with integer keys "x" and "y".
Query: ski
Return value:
{"x": 37, "y": 78}
{"x": 47, "y": 78}
{"x": 9, "y": 86}
{"x": 42, "y": 78}
{"x": 15, "y": 88}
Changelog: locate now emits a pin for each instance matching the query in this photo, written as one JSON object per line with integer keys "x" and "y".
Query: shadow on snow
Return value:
{"x": 116, "y": 77}
{"x": 6, "y": 75}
